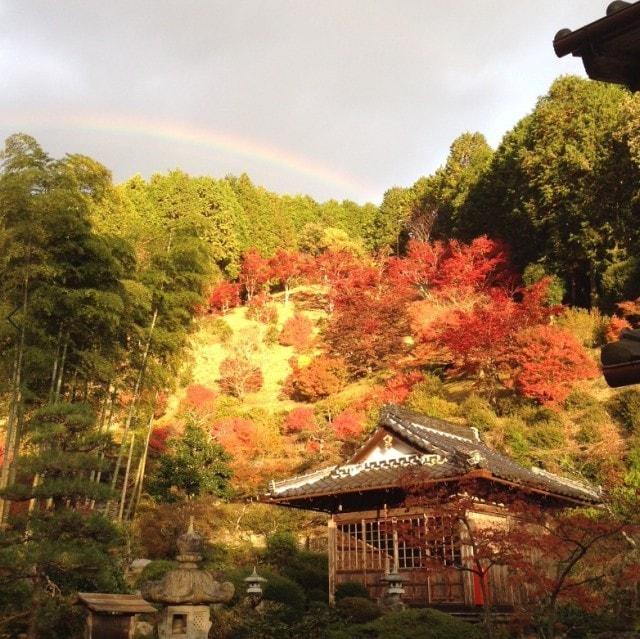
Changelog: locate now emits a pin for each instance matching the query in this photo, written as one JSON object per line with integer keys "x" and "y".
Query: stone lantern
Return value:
{"x": 186, "y": 593}
{"x": 254, "y": 588}
{"x": 392, "y": 598}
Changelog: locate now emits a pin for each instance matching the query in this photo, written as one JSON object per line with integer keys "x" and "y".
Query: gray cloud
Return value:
{"x": 376, "y": 90}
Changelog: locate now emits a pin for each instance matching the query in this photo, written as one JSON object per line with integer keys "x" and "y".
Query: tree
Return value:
{"x": 254, "y": 272}
{"x": 287, "y": 267}
{"x": 65, "y": 549}
{"x": 547, "y": 361}
{"x": 239, "y": 376}
{"x": 299, "y": 420}
{"x": 193, "y": 465}
{"x": 322, "y": 377}
{"x": 224, "y": 296}
{"x": 297, "y": 332}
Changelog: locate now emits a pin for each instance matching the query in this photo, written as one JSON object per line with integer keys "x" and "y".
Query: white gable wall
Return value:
{"x": 384, "y": 452}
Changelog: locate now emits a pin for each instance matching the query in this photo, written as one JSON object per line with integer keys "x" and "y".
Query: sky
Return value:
{"x": 332, "y": 98}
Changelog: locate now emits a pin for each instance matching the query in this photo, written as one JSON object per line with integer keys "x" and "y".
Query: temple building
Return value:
{"x": 377, "y": 526}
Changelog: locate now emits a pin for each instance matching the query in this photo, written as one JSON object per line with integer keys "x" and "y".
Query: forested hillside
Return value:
{"x": 171, "y": 344}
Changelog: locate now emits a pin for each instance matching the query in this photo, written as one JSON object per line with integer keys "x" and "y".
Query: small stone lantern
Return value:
{"x": 254, "y": 588}
{"x": 187, "y": 592}
{"x": 392, "y": 598}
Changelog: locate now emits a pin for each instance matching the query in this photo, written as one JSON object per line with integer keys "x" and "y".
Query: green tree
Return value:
{"x": 193, "y": 465}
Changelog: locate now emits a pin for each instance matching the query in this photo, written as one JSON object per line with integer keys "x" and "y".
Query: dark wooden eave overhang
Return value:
{"x": 609, "y": 47}
{"x": 115, "y": 604}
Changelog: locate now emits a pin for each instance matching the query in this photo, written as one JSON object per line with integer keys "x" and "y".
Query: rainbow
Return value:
{"x": 196, "y": 136}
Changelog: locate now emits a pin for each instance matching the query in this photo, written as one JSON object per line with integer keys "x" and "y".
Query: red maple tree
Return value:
{"x": 224, "y": 296}
{"x": 287, "y": 268}
{"x": 296, "y": 332}
{"x": 300, "y": 419}
{"x": 323, "y": 376}
{"x": 255, "y": 272}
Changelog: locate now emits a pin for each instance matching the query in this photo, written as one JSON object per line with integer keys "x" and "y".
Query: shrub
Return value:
{"x": 625, "y": 409}
{"x": 238, "y": 376}
{"x": 588, "y": 327}
{"x": 324, "y": 376}
{"x": 351, "y": 589}
{"x": 478, "y": 413}
{"x": 309, "y": 570}
{"x": 199, "y": 397}
{"x": 224, "y": 296}
{"x": 155, "y": 571}
{"x": 580, "y": 400}
{"x": 423, "y": 398}
{"x": 535, "y": 272}
{"x": 296, "y": 332}
{"x": 285, "y": 591}
{"x": 348, "y": 425}
{"x": 271, "y": 335}
{"x": 220, "y": 330}
{"x": 281, "y": 547}
{"x": 358, "y": 609}
{"x": 397, "y": 388}
{"x": 299, "y": 419}
{"x": 261, "y": 310}
{"x": 421, "y": 623}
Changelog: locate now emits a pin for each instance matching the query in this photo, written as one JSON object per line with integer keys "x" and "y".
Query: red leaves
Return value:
{"x": 348, "y": 425}
{"x": 235, "y": 434}
{"x": 299, "y": 420}
{"x": 297, "y": 332}
{"x": 199, "y": 396}
{"x": 224, "y": 296}
{"x": 255, "y": 272}
{"x": 505, "y": 341}
{"x": 453, "y": 269}
{"x": 324, "y": 376}
{"x": 547, "y": 361}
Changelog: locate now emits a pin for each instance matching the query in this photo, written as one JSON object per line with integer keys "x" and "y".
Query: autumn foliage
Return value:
{"x": 348, "y": 425}
{"x": 299, "y": 420}
{"x": 239, "y": 376}
{"x": 224, "y": 296}
{"x": 296, "y": 332}
{"x": 324, "y": 376}
{"x": 260, "y": 308}
{"x": 546, "y": 362}
{"x": 255, "y": 272}
{"x": 199, "y": 397}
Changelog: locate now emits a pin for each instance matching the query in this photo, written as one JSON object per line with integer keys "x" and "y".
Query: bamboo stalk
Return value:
{"x": 123, "y": 495}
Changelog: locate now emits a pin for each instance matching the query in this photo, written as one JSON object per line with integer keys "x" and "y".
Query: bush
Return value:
{"x": 588, "y": 327}
{"x": 358, "y": 609}
{"x": 155, "y": 571}
{"x": 296, "y": 332}
{"x": 422, "y": 401}
{"x": 535, "y": 272}
{"x": 351, "y": 589}
{"x": 625, "y": 409}
{"x": 311, "y": 571}
{"x": 423, "y": 623}
{"x": 239, "y": 376}
{"x": 281, "y": 547}
{"x": 261, "y": 310}
{"x": 224, "y": 296}
{"x": 285, "y": 591}
{"x": 299, "y": 419}
{"x": 324, "y": 376}
{"x": 220, "y": 330}
{"x": 348, "y": 425}
{"x": 478, "y": 413}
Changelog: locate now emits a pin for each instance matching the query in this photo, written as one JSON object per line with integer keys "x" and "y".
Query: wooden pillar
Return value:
{"x": 331, "y": 550}
{"x": 396, "y": 556}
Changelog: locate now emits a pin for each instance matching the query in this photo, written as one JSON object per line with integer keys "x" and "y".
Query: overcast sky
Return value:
{"x": 338, "y": 99}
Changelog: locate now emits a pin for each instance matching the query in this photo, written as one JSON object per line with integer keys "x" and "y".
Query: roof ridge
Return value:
{"x": 569, "y": 481}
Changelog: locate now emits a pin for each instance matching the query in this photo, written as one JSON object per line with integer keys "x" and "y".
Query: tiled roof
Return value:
{"x": 446, "y": 450}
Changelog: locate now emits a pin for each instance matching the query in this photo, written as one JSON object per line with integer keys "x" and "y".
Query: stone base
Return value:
{"x": 184, "y": 622}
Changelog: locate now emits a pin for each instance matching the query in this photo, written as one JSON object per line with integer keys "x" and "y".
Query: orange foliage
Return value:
{"x": 224, "y": 296}
{"x": 547, "y": 361}
{"x": 297, "y": 332}
{"x": 615, "y": 326}
{"x": 199, "y": 398}
{"x": 348, "y": 425}
{"x": 324, "y": 376}
{"x": 260, "y": 309}
{"x": 299, "y": 419}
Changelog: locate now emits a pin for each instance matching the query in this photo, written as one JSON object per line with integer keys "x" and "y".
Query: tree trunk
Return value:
{"x": 123, "y": 495}
{"x": 134, "y": 401}
{"x": 137, "y": 489}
